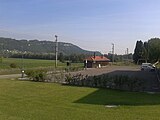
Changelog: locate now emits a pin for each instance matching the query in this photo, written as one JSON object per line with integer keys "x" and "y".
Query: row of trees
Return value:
{"x": 147, "y": 51}
{"x": 61, "y": 57}
{"x": 119, "y": 58}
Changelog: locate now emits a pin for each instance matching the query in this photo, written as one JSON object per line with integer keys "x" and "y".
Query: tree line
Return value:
{"x": 148, "y": 51}
{"x": 75, "y": 58}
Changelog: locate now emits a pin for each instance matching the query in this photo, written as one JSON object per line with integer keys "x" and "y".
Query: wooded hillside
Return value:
{"x": 36, "y": 46}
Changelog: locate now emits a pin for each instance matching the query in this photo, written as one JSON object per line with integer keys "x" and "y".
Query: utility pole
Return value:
{"x": 112, "y": 52}
{"x": 56, "y": 51}
{"x": 127, "y": 53}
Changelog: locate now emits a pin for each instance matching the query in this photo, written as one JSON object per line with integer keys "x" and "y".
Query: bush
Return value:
{"x": 13, "y": 65}
{"x": 37, "y": 75}
{"x": 121, "y": 82}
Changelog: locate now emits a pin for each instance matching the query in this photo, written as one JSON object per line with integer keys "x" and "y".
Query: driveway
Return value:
{"x": 10, "y": 76}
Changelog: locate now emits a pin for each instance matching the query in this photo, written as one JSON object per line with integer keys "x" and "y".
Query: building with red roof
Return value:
{"x": 96, "y": 61}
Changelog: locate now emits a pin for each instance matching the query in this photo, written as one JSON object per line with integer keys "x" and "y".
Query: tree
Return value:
{"x": 147, "y": 51}
{"x": 61, "y": 57}
{"x": 138, "y": 52}
{"x": 154, "y": 49}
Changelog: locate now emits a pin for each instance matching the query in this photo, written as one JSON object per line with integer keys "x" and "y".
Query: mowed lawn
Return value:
{"x": 26, "y": 100}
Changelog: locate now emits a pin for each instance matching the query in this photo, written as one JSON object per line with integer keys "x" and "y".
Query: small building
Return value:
{"x": 96, "y": 62}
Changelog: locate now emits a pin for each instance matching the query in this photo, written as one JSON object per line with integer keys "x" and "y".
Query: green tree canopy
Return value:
{"x": 149, "y": 50}
{"x": 154, "y": 49}
{"x": 139, "y": 51}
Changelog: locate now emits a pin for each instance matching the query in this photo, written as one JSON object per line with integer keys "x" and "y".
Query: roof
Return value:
{"x": 97, "y": 58}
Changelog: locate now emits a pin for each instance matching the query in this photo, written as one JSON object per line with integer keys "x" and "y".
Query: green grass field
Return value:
{"x": 30, "y": 64}
{"x": 26, "y": 100}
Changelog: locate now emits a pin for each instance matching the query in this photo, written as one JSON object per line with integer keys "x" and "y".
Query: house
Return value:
{"x": 96, "y": 61}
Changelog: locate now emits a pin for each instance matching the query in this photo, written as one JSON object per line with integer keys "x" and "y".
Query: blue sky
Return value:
{"x": 90, "y": 24}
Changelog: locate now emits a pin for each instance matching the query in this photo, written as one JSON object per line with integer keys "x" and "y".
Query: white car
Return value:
{"x": 147, "y": 67}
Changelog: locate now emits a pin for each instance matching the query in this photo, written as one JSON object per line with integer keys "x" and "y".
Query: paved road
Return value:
{"x": 10, "y": 76}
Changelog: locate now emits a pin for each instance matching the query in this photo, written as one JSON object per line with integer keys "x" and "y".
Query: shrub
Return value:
{"x": 13, "y": 65}
{"x": 121, "y": 82}
{"x": 68, "y": 78}
{"x": 37, "y": 75}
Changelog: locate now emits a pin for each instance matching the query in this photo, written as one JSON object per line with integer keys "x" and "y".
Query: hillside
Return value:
{"x": 36, "y": 46}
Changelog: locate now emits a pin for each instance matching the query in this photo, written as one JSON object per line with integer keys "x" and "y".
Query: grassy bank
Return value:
{"x": 45, "y": 101}
{"x": 30, "y": 64}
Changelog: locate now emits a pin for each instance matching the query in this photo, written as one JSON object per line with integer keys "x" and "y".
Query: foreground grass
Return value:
{"x": 47, "y": 101}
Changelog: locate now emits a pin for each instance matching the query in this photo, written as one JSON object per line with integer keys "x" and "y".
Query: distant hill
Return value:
{"x": 36, "y": 46}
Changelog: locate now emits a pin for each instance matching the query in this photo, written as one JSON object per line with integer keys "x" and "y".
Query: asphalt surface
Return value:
{"x": 10, "y": 76}
{"x": 108, "y": 69}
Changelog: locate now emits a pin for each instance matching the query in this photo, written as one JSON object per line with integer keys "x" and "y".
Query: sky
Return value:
{"x": 90, "y": 24}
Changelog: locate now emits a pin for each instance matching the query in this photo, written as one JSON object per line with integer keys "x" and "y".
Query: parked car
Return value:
{"x": 147, "y": 67}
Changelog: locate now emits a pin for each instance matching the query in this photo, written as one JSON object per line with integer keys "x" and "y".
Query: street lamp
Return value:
{"x": 22, "y": 64}
{"x": 22, "y": 60}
